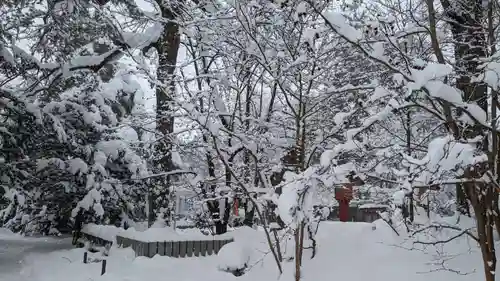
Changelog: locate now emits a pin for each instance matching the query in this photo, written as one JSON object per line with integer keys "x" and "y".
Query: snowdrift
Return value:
{"x": 347, "y": 251}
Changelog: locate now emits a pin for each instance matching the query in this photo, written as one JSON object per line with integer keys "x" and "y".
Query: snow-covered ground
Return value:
{"x": 347, "y": 251}
{"x": 16, "y": 251}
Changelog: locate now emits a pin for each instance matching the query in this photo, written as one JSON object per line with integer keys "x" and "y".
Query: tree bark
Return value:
{"x": 167, "y": 47}
{"x": 471, "y": 45}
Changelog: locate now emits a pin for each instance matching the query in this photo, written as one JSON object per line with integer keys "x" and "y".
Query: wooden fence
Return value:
{"x": 359, "y": 214}
{"x": 177, "y": 249}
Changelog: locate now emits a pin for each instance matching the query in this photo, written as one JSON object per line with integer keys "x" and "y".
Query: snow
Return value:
{"x": 326, "y": 158}
{"x": 153, "y": 234}
{"x": 309, "y": 36}
{"x": 140, "y": 40}
{"x": 301, "y": 8}
{"x": 287, "y": 203}
{"x": 378, "y": 50}
{"x": 35, "y": 110}
{"x": 430, "y": 72}
{"x": 86, "y": 61}
{"x": 241, "y": 252}
{"x": 98, "y": 209}
{"x": 233, "y": 256}
{"x": 354, "y": 251}
{"x": 100, "y": 158}
{"x": 398, "y": 197}
{"x": 372, "y": 205}
{"x": 429, "y": 77}
{"x": 16, "y": 250}
{"x": 7, "y": 234}
{"x": 91, "y": 200}
{"x": 443, "y": 91}
{"x": 339, "y": 23}
{"x": 477, "y": 113}
{"x": 19, "y": 52}
{"x": 445, "y": 155}
{"x": 169, "y": 234}
{"x": 339, "y": 117}
{"x": 379, "y": 93}
{"x": 106, "y": 232}
{"x": 6, "y": 54}
{"x": 77, "y": 165}
{"x": 111, "y": 149}
{"x": 65, "y": 6}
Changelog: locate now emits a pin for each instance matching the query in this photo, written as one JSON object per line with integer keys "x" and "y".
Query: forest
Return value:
{"x": 115, "y": 107}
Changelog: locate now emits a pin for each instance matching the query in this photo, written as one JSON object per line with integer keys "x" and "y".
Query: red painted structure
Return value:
{"x": 236, "y": 207}
{"x": 344, "y": 196}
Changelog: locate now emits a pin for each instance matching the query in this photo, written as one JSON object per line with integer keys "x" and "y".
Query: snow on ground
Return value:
{"x": 347, "y": 251}
{"x": 153, "y": 234}
{"x": 16, "y": 249}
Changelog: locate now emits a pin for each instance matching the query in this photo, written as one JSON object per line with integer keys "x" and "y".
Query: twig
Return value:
{"x": 462, "y": 232}
{"x": 395, "y": 231}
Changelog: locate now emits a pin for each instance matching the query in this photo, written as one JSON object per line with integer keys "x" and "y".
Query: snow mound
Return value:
{"x": 244, "y": 252}
{"x": 6, "y": 232}
{"x": 106, "y": 232}
{"x": 109, "y": 233}
{"x": 169, "y": 234}
{"x": 353, "y": 251}
{"x": 235, "y": 257}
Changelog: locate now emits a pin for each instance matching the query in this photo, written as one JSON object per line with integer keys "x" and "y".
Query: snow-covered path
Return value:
{"x": 14, "y": 251}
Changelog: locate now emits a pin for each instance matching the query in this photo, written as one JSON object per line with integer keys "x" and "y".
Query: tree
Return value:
{"x": 75, "y": 107}
{"x": 458, "y": 99}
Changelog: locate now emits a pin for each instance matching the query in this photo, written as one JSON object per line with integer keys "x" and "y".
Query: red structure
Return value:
{"x": 236, "y": 207}
{"x": 344, "y": 196}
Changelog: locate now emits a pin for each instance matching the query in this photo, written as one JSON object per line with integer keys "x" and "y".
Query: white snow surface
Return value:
{"x": 109, "y": 233}
{"x": 106, "y": 232}
{"x": 17, "y": 250}
{"x": 444, "y": 156}
{"x": 242, "y": 252}
{"x": 352, "y": 251}
{"x": 339, "y": 23}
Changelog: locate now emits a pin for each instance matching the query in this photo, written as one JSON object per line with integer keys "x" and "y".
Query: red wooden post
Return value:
{"x": 344, "y": 196}
{"x": 343, "y": 210}
{"x": 236, "y": 207}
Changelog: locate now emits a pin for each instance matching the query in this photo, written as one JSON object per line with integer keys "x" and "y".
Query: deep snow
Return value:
{"x": 16, "y": 250}
{"x": 347, "y": 251}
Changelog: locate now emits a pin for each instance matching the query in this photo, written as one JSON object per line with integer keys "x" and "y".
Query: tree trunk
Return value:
{"x": 151, "y": 209}
{"x": 495, "y": 153}
{"x": 167, "y": 47}
{"x": 485, "y": 223}
{"x": 462, "y": 204}
{"x": 470, "y": 46}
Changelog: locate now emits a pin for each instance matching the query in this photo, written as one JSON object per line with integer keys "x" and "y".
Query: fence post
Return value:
{"x": 103, "y": 268}
{"x": 85, "y": 257}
